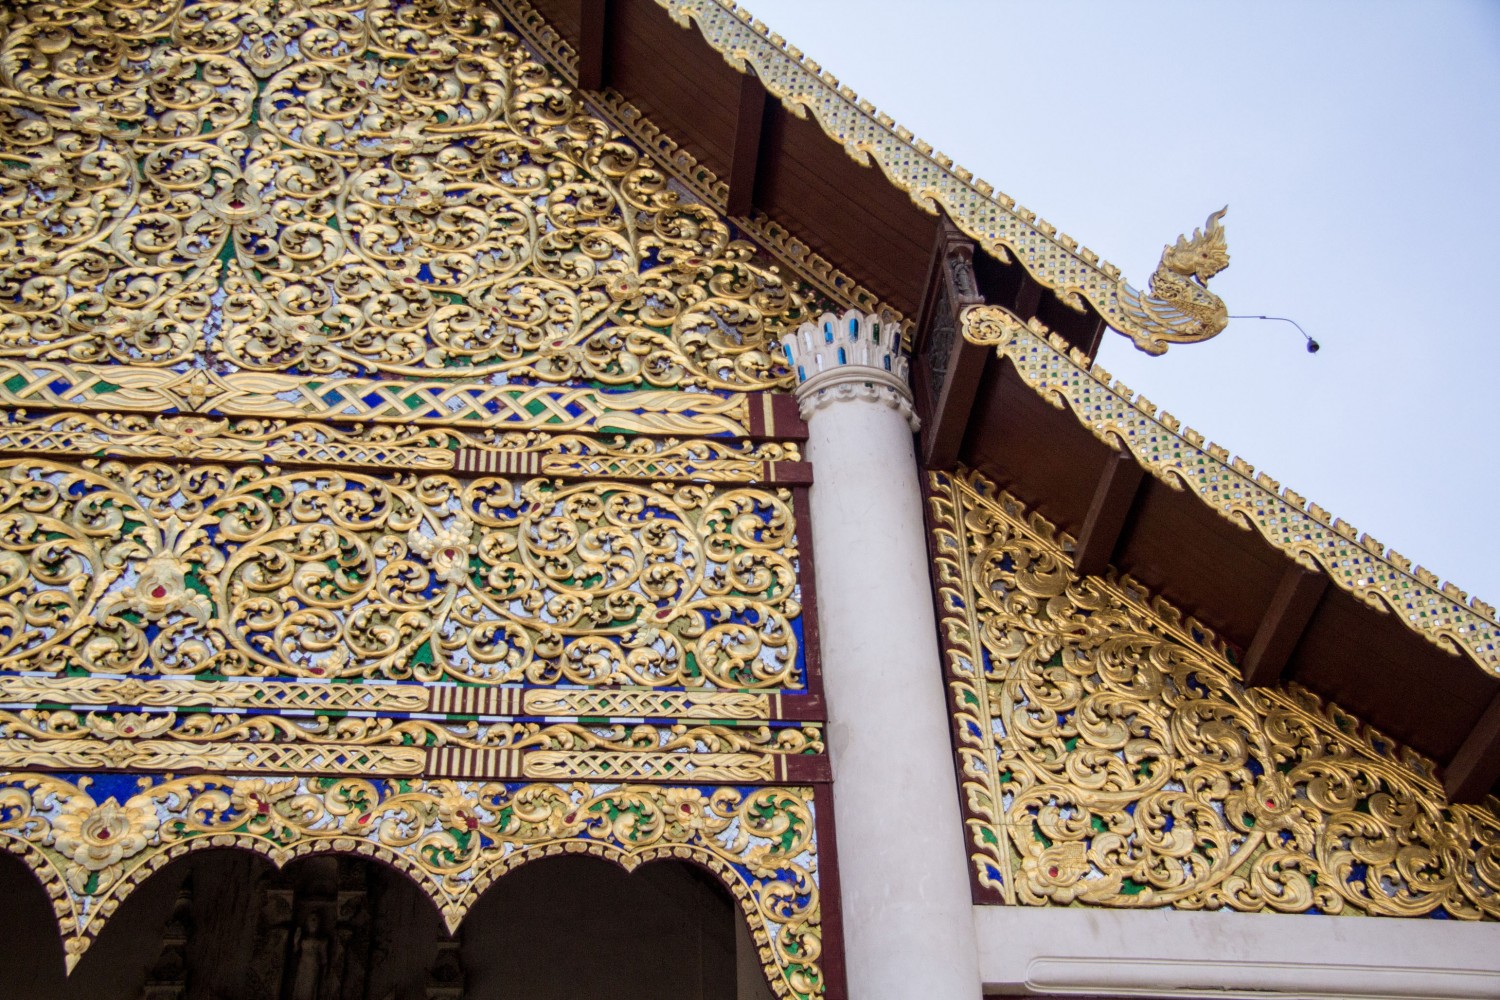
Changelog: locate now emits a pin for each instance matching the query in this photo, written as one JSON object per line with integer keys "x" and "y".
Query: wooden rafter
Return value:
{"x": 1281, "y": 628}
{"x": 1118, "y": 485}
{"x": 749, "y": 123}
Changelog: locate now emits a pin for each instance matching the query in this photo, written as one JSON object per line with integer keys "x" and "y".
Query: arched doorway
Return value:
{"x": 227, "y": 925}
{"x": 579, "y": 928}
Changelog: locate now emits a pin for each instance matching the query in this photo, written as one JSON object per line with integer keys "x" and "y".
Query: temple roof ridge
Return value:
{"x": 1185, "y": 313}
{"x": 906, "y": 136}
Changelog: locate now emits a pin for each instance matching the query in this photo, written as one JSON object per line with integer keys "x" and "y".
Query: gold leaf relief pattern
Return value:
{"x": 214, "y": 571}
{"x": 378, "y": 188}
{"x": 1110, "y": 756}
{"x": 92, "y": 840}
{"x": 217, "y": 439}
{"x": 61, "y": 726}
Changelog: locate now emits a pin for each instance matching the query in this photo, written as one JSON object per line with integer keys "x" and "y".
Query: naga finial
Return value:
{"x": 1203, "y": 256}
{"x": 1179, "y": 308}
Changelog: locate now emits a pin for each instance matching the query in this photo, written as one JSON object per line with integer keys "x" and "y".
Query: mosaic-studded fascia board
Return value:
{"x": 937, "y": 184}
{"x": 41, "y": 385}
{"x": 1180, "y": 457}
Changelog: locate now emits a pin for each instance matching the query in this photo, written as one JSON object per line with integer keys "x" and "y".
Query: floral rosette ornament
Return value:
{"x": 97, "y": 837}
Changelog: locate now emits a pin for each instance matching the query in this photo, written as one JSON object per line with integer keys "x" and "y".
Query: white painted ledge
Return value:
{"x": 1060, "y": 951}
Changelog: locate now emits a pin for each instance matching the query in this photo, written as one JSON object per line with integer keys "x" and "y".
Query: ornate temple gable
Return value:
{"x": 392, "y": 461}
{"x": 1109, "y": 754}
{"x": 368, "y": 190}
{"x": 1180, "y": 457}
{"x": 1174, "y": 310}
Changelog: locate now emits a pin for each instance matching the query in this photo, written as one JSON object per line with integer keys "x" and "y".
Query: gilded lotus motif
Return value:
{"x": 96, "y": 837}
{"x": 448, "y": 550}
{"x": 1056, "y": 871}
{"x": 161, "y": 586}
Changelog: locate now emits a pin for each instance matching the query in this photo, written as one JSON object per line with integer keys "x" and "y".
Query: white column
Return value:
{"x": 909, "y": 930}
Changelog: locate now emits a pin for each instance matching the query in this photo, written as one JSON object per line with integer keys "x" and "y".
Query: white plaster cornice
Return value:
{"x": 1089, "y": 951}
{"x": 850, "y": 357}
{"x": 856, "y": 382}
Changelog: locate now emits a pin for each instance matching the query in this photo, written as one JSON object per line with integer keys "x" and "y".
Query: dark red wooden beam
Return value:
{"x": 949, "y": 368}
{"x": 1476, "y": 766}
{"x": 1118, "y": 485}
{"x": 1281, "y": 628}
{"x": 592, "y": 20}
{"x": 749, "y": 123}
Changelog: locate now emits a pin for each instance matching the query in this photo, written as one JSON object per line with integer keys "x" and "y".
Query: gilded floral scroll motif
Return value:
{"x": 213, "y": 571}
{"x": 92, "y": 840}
{"x": 1110, "y": 756}
{"x": 376, "y": 188}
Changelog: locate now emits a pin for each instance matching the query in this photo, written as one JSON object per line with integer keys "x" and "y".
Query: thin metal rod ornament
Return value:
{"x": 1312, "y": 345}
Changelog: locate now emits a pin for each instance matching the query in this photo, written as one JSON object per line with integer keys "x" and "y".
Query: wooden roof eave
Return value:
{"x": 786, "y": 150}
{"x": 1307, "y": 597}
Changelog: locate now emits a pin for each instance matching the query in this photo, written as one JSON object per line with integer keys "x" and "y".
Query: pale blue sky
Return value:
{"x": 1356, "y": 144}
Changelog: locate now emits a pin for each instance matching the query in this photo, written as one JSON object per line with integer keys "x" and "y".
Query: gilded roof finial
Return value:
{"x": 1179, "y": 308}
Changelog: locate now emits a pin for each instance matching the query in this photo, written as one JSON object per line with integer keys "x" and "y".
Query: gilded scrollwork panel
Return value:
{"x": 388, "y": 745}
{"x": 213, "y": 571}
{"x": 394, "y": 465}
{"x": 92, "y": 839}
{"x": 1109, "y": 755}
{"x": 379, "y": 190}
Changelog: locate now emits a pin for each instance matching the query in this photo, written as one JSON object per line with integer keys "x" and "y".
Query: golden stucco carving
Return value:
{"x": 1109, "y": 754}
{"x": 91, "y": 841}
{"x": 1180, "y": 457}
{"x": 383, "y": 446}
{"x": 369, "y": 188}
{"x": 386, "y": 419}
{"x": 64, "y": 739}
{"x": 246, "y": 571}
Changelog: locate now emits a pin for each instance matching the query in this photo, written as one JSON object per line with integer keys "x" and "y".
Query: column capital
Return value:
{"x": 853, "y": 356}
